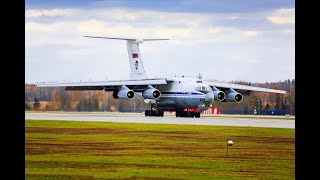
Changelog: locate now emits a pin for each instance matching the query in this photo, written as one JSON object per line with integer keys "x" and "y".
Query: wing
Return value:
{"x": 135, "y": 85}
{"x": 243, "y": 89}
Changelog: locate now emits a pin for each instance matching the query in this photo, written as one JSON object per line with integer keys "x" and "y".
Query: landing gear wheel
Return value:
{"x": 178, "y": 113}
{"x": 188, "y": 114}
{"x": 146, "y": 112}
{"x": 153, "y": 113}
{"x": 161, "y": 113}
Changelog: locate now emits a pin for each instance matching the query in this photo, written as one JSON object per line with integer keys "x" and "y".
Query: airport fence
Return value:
{"x": 259, "y": 112}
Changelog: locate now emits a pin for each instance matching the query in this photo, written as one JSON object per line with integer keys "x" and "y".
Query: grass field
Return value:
{"x": 64, "y": 149}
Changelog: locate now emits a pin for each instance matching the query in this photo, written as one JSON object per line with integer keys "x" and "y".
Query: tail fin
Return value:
{"x": 134, "y": 55}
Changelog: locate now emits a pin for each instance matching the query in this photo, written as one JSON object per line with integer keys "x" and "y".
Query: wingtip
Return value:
{"x": 283, "y": 92}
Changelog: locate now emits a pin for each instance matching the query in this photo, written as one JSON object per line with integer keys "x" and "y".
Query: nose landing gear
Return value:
{"x": 153, "y": 113}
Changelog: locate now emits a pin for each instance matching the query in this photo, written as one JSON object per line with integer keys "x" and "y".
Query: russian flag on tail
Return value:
{"x": 135, "y": 56}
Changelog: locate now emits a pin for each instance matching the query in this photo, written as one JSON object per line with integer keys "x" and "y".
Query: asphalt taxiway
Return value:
{"x": 167, "y": 119}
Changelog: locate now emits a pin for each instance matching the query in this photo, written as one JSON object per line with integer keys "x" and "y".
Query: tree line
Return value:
{"x": 265, "y": 101}
{"x": 58, "y": 99}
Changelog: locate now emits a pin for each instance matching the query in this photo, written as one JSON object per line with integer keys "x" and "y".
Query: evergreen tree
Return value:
{"x": 95, "y": 103}
{"x": 36, "y": 104}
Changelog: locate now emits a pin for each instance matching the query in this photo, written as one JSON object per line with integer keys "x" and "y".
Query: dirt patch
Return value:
{"x": 264, "y": 139}
{"x": 57, "y": 176}
{"x": 33, "y": 147}
{"x": 89, "y": 165}
{"x": 71, "y": 130}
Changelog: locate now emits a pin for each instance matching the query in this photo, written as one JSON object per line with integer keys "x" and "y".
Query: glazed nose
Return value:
{"x": 209, "y": 98}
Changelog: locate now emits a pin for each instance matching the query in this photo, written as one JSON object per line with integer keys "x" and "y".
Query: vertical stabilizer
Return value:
{"x": 135, "y": 60}
{"x": 134, "y": 55}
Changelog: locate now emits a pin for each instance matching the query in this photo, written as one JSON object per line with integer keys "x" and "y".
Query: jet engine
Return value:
{"x": 234, "y": 96}
{"x": 151, "y": 93}
{"x": 218, "y": 95}
{"x": 123, "y": 94}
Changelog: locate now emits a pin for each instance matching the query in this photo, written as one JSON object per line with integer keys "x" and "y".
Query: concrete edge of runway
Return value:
{"x": 276, "y": 117}
{"x": 140, "y": 118}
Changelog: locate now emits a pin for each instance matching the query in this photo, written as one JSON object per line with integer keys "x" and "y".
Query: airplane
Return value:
{"x": 188, "y": 97}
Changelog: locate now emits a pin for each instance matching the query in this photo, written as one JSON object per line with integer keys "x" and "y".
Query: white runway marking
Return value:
{"x": 140, "y": 118}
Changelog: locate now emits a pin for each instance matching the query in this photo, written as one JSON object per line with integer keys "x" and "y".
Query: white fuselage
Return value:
{"x": 181, "y": 93}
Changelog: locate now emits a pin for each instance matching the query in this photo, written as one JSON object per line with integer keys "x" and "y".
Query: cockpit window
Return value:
{"x": 199, "y": 81}
{"x": 204, "y": 89}
{"x": 199, "y": 88}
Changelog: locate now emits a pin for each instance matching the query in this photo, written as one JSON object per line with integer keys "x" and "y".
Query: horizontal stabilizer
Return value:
{"x": 132, "y": 39}
{"x": 134, "y": 55}
{"x": 128, "y": 39}
{"x": 154, "y": 39}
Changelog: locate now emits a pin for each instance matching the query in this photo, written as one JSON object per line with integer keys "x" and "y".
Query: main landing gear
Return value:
{"x": 192, "y": 114}
{"x": 153, "y": 113}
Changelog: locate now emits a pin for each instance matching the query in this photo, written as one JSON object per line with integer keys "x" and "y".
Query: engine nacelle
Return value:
{"x": 139, "y": 41}
{"x": 123, "y": 94}
{"x": 219, "y": 95}
{"x": 151, "y": 93}
{"x": 234, "y": 97}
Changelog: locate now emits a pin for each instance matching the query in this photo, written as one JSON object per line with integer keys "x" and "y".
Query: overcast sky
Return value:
{"x": 249, "y": 40}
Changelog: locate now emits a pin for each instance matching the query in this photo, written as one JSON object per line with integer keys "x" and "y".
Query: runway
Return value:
{"x": 140, "y": 118}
